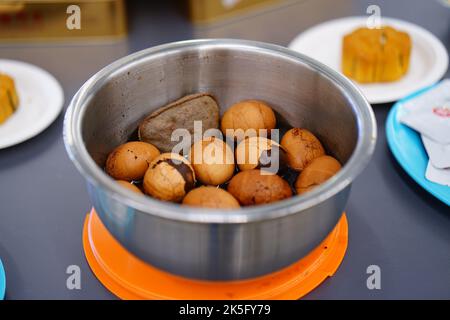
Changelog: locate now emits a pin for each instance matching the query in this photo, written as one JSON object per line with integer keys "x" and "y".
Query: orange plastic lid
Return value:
{"x": 128, "y": 277}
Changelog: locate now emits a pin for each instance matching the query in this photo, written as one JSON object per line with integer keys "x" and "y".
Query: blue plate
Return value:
{"x": 2, "y": 281}
{"x": 408, "y": 149}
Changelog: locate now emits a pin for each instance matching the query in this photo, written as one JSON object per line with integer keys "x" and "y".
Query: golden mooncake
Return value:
{"x": 9, "y": 100}
{"x": 376, "y": 55}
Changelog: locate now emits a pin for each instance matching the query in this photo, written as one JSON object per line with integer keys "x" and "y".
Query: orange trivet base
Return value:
{"x": 130, "y": 278}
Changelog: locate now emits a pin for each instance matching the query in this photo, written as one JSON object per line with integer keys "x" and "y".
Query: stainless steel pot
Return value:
{"x": 219, "y": 245}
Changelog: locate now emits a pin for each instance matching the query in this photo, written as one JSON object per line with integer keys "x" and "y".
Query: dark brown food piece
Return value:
{"x": 157, "y": 128}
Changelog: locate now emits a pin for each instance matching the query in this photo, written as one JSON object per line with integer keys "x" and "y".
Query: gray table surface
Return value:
{"x": 393, "y": 223}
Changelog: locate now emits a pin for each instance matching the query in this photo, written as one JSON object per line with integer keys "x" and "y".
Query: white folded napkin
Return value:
{"x": 441, "y": 176}
{"x": 439, "y": 153}
{"x": 429, "y": 114}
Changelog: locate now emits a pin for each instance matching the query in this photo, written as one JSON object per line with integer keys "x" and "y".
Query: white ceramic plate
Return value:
{"x": 429, "y": 58}
{"x": 41, "y": 101}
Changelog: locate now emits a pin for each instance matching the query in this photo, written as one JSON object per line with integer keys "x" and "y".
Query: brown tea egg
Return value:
{"x": 130, "y": 160}
{"x": 302, "y": 147}
{"x": 129, "y": 186}
{"x": 212, "y": 160}
{"x": 169, "y": 177}
{"x": 260, "y": 153}
{"x": 245, "y": 115}
{"x": 318, "y": 171}
{"x": 210, "y": 197}
{"x": 253, "y": 187}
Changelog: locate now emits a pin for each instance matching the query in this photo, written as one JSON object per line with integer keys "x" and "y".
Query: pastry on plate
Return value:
{"x": 376, "y": 55}
{"x": 9, "y": 100}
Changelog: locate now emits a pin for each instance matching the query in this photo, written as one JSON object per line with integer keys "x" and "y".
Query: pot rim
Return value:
{"x": 75, "y": 147}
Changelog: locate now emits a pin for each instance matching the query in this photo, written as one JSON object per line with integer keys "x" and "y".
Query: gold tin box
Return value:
{"x": 206, "y": 11}
{"x": 65, "y": 20}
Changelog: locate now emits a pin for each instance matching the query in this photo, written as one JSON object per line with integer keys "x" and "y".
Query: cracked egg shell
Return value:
{"x": 210, "y": 197}
{"x": 302, "y": 147}
{"x": 130, "y": 160}
{"x": 212, "y": 160}
{"x": 251, "y": 187}
{"x": 248, "y": 114}
{"x": 317, "y": 172}
{"x": 129, "y": 186}
{"x": 169, "y": 178}
{"x": 260, "y": 153}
